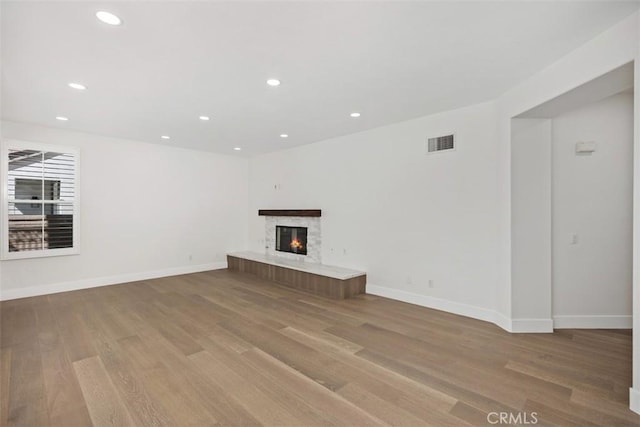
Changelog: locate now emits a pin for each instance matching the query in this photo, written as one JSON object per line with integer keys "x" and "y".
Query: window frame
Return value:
{"x": 11, "y": 144}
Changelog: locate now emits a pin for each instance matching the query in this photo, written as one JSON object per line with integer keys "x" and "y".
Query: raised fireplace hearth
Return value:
{"x": 292, "y": 256}
{"x": 325, "y": 280}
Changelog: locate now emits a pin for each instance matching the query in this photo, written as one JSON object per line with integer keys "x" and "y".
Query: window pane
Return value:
{"x": 29, "y": 232}
{"x": 58, "y": 175}
{"x": 25, "y": 230}
{"x": 28, "y": 189}
{"x": 58, "y": 227}
{"x": 25, "y": 175}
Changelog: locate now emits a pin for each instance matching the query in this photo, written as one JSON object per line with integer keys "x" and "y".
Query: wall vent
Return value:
{"x": 441, "y": 143}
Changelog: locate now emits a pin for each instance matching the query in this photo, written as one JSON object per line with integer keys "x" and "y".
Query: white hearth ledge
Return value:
{"x": 307, "y": 267}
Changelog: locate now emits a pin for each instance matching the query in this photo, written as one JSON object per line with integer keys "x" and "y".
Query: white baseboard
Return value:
{"x": 54, "y": 288}
{"x": 441, "y": 304}
{"x": 532, "y": 325}
{"x": 593, "y": 322}
{"x": 634, "y": 400}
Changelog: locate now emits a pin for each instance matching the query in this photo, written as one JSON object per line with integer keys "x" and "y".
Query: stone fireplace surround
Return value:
{"x": 314, "y": 239}
{"x": 309, "y": 218}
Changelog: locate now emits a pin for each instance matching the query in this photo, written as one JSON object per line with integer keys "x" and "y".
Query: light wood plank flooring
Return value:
{"x": 223, "y": 348}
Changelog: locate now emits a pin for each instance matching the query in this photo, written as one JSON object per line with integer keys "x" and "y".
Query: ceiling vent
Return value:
{"x": 441, "y": 143}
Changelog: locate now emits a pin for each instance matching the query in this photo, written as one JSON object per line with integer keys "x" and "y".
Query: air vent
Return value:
{"x": 440, "y": 143}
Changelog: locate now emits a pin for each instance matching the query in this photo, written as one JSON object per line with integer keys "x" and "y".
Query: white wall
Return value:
{"x": 531, "y": 224}
{"x": 144, "y": 209}
{"x": 592, "y": 199}
{"x": 401, "y": 215}
{"x": 612, "y": 49}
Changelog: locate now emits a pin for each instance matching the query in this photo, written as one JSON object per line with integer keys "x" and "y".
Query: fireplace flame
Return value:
{"x": 295, "y": 244}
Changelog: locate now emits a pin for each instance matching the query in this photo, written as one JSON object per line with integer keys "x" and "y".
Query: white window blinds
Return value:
{"x": 41, "y": 201}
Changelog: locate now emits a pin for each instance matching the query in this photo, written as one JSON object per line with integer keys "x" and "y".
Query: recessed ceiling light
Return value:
{"x": 165, "y": 137}
{"x": 204, "y": 118}
{"x": 237, "y": 148}
{"x": 355, "y": 114}
{"x": 108, "y": 18}
{"x": 273, "y": 82}
{"x": 284, "y": 135}
{"x": 62, "y": 118}
{"x": 78, "y": 86}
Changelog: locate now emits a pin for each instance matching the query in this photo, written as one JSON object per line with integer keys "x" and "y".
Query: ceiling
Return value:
{"x": 616, "y": 81}
{"x": 170, "y": 62}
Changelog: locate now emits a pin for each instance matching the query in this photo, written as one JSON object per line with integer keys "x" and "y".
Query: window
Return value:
{"x": 40, "y": 200}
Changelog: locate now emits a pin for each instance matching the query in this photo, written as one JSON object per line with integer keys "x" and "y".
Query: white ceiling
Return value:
{"x": 171, "y": 62}
{"x": 615, "y": 81}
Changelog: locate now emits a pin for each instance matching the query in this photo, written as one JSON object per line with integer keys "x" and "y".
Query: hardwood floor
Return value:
{"x": 223, "y": 348}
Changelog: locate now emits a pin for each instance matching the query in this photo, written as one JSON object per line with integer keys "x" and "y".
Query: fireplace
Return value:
{"x": 306, "y": 223}
{"x": 291, "y": 239}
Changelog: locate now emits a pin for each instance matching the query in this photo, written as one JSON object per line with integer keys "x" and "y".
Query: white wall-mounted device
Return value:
{"x": 585, "y": 147}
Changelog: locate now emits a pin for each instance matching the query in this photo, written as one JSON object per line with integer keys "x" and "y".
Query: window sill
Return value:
{"x": 8, "y": 256}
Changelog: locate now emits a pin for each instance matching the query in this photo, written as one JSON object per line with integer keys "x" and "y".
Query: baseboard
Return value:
{"x": 634, "y": 400}
{"x": 532, "y": 325}
{"x": 54, "y": 288}
{"x": 593, "y": 322}
{"x": 461, "y": 309}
